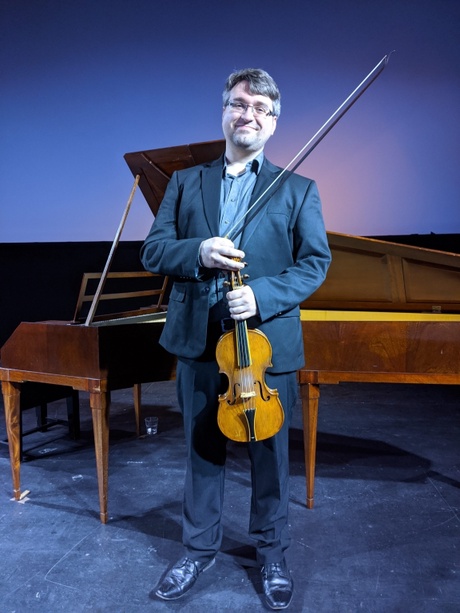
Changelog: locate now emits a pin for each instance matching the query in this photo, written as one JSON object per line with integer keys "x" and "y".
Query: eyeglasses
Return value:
{"x": 260, "y": 110}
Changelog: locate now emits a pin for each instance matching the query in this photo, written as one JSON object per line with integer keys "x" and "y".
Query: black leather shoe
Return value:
{"x": 278, "y": 585}
{"x": 180, "y": 578}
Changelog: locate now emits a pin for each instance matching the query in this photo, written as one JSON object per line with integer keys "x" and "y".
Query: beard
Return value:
{"x": 248, "y": 141}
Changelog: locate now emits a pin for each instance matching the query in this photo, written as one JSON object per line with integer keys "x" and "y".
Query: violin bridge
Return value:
{"x": 245, "y": 395}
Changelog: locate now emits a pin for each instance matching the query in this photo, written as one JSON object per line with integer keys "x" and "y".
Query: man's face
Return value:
{"x": 247, "y": 130}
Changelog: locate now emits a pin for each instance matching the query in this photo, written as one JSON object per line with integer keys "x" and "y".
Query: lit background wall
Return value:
{"x": 86, "y": 81}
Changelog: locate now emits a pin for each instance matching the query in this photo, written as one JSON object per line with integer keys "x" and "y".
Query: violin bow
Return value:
{"x": 314, "y": 140}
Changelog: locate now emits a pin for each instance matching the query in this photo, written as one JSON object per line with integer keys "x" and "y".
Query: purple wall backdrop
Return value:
{"x": 84, "y": 82}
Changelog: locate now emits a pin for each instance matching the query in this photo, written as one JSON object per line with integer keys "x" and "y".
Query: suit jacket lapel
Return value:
{"x": 211, "y": 178}
{"x": 211, "y": 183}
{"x": 267, "y": 174}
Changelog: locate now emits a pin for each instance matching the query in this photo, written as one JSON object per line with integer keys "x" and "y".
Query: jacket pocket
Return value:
{"x": 178, "y": 293}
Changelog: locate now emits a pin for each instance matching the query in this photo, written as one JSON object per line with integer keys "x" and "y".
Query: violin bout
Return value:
{"x": 249, "y": 410}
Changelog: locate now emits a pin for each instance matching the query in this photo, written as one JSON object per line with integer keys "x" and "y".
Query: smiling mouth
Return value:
{"x": 245, "y": 127}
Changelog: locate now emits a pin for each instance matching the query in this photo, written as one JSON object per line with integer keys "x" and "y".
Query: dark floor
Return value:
{"x": 383, "y": 536}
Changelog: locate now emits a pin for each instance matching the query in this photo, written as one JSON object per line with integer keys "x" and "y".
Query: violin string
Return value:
{"x": 241, "y": 362}
{"x": 243, "y": 351}
{"x": 239, "y": 346}
{"x": 247, "y": 362}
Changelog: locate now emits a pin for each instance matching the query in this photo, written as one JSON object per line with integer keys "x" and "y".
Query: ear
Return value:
{"x": 274, "y": 119}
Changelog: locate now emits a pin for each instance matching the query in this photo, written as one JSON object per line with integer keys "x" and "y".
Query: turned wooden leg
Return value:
{"x": 310, "y": 397}
{"x": 11, "y": 399}
{"x": 100, "y": 403}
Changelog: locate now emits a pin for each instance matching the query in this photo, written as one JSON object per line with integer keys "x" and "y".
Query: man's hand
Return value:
{"x": 218, "y": 252}
{"x": 242, "y": 303}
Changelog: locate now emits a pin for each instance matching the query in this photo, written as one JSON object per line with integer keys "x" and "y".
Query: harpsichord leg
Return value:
{"x": 310, "y": 398}
{"x": 11, "y": 400}
{"x": 100, "y": 403}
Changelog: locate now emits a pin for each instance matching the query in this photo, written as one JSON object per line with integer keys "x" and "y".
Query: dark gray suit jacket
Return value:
{"x": 285, "y": 247}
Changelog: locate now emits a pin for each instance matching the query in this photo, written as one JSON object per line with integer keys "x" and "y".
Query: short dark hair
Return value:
{"x": 259, "y": 81}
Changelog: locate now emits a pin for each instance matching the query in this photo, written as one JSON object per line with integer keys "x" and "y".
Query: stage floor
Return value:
{"x": 383, "y": 536}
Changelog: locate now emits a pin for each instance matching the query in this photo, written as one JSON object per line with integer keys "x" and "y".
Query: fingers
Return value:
{"x": 242, "y": 303}
{"x": 219, "y": 252}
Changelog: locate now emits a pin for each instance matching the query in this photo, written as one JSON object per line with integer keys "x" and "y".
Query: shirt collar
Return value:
{"x": 253, "y": 165}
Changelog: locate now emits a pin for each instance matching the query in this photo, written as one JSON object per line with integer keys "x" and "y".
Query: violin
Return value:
{"x": 249, "y": 410}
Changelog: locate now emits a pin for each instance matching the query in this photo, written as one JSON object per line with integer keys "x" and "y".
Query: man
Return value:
{"x": 198, "y": 236}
